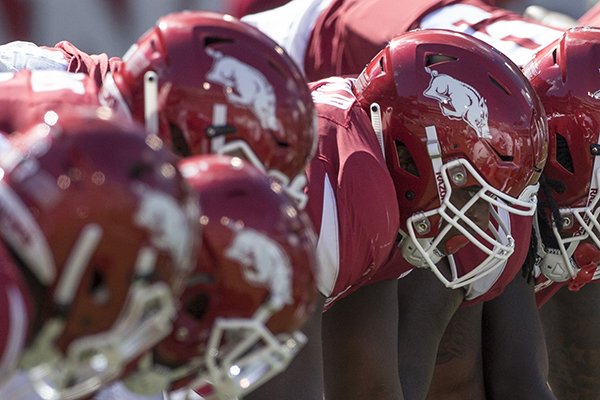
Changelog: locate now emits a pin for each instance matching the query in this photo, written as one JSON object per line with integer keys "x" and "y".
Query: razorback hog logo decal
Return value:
{"x": 264, "y": 263}
{"x": 249, "y": 87}
{"x": 459, "y": 101}
{"x": 166, "y": 221}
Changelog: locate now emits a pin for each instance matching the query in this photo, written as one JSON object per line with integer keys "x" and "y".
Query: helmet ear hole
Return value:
{"x": 502, "y": 87}
{"x": 405, "y": 160}
{"x": 98, "y": 287}
{"x": 563, "y": 153}
{"x": 179, "y": 144}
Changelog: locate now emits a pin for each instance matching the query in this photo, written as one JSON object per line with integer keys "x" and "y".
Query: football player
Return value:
{"x": 250, "y": 104}
{"x": 98, "y": 231}
{"x": 192, "y": 80}
{"x": 565, "y": 75}
{"x": 383, "y": 128}
{"x": 250, "y": 292}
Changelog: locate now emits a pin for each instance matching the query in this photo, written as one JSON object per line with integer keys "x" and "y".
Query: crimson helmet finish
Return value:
{"x": 107, "y": 229}
{"x": 566, "y": 78}
{"x": 222, "y": 87}
{"x": 455, "y": 113}
{"x": 254, "y": 284}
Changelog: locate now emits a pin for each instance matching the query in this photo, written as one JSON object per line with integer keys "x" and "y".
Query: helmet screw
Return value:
{"x": 458, "y": 178}
{"x": 458, "y": 174}
{"x": 422, "y": 226}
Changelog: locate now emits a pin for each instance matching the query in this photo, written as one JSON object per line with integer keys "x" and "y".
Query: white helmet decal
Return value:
{"x": 245, "y": 86}
{"x": 161, "y": 215}
{"x": 265, "y": 263}
{"x": 459, "y": 101}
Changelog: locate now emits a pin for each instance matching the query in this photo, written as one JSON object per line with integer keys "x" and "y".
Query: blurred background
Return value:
{"x": 572, "y": 8}
{"x": 95, "y": 26}
{"x": 111, "y": 26}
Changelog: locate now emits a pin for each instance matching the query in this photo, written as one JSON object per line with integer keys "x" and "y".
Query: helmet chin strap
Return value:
{"x": 411, "y": 253}
{"x": 151, "y": 102}
{"x": 551, "y": 262}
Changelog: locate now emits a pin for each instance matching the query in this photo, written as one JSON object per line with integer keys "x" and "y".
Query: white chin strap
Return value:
{"x": 558, "y": 265}
{"x": 495, "y": 242}
{"x": 555, "y": 264}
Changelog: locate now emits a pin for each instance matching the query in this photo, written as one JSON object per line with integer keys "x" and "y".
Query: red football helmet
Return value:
{"x": 566, "y": 77}
{"x": 208, "y": 83}
{"x": 453, "y": 113}
{"x": 106, "y": 229}
{"x": 254, "y": 284}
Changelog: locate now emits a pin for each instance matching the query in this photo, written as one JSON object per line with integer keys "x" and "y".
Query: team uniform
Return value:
{"x": 339, "y": 37}
{"x": 352, "y": 201}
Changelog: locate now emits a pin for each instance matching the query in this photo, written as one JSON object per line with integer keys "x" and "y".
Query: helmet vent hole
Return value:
{"x": 503, "y": 157}
{"x": 211, "y": 40}
{"x": 281, "y": 70}
{"x": 499, "y": 85}
{"x": 434, "y": 59}
{"x": 382, "y": 63}
{"x": 563, "y": 154}
{"x": 555, "y": 56}
{"x": 405, "y": 160}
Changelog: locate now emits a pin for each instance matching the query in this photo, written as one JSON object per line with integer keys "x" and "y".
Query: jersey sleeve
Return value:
{"x": 351, "y": 195}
